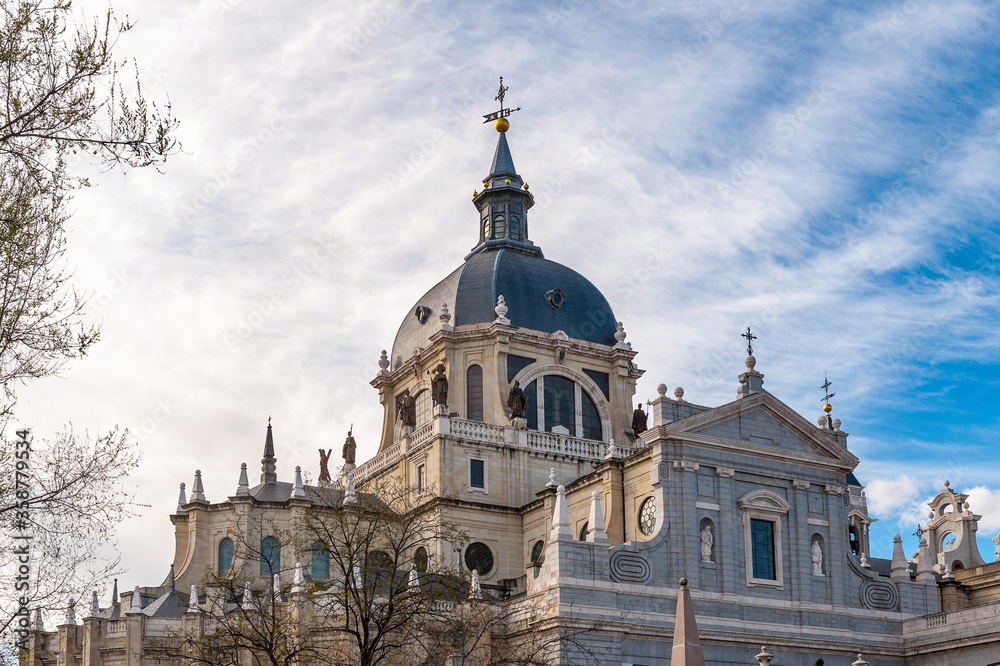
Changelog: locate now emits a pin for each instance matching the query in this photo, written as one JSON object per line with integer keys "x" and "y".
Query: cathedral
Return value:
{"x": 509, "y": 404}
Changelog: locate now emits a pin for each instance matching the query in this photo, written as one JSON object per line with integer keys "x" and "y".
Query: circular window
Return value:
{"x": 479, "y": 557}
{"x": 647, "y": 516}
{"x": 536, "y": 551}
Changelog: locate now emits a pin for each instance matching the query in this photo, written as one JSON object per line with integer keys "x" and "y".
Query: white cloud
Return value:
{"x": 986, "y": 502}
{"x": 888, "y": 497}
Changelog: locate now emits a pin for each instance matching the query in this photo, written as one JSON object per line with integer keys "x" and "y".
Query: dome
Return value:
{"x": 541, "y": 295}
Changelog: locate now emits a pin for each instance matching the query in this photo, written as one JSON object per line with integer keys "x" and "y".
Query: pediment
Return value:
{"x": 765, "y": 424}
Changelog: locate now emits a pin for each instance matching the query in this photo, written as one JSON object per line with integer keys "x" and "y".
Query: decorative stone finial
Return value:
{"x": 383, "y": 363}
{"x": 71, "y": 611}
{"x": 193, "y": 600}
{"x": 836, "y": 425}
{"x": 552, "y": 478}
{"x": 661, "y": 390}
{"x": 750, "y": 362}
{"x": 612, "y": 451}
{"x": 414, "y": 580}
{"x": 268, "y": 464}
{"x": 501, "y": 310}
{"x": 136, "y": 605}
{"x": 821, "y": 420}
{"x": 765, "y": 657}
{"x": 39, "y": 625}
{"x": 560, "y": 517}
{"x": 247, "y": 597}
{"x": 683, "y": 582}
{"x": 679, "y": 394}
{"x": 947, "y": 485}
{"x": 620, "y": 334}
{"x": 95, "y": 605}
{"x": 860, "y": 662}
{"x": 299, "y": 579}
{"x": 181, "y": 499}
{"x": 244, "y": 487}
{"x": 445, "y": 318}
{"x": 475, "y": 589}
{"x": 864, "y": 562}
{"x": 598, "y": 531}
{"x": 198, "y": 494}
{"x": 298, "y": 490}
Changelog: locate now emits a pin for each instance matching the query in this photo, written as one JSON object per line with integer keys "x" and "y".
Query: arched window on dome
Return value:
{"x": 270, "y": 556}
{"x": 474, "y": 393}
{"x": 531, "y": 411}
{"x": 591, "y": 418}
{"x": 226, "y": 551}
{"x": 499, "y": 226}
{"x": 559, "y": 395}
{"x": 515, "y": 227}
{"x": 423, "y": 407}
{"x": 320, "y": 561}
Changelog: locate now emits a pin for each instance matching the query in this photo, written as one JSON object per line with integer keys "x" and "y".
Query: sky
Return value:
{"x": 827, "y": 173}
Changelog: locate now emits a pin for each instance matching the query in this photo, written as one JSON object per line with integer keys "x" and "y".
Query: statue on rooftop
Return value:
{"x": 439, "y": 386}
{"x": 996, "y": 552}
{"x": 516, "y": 401}
{"x": 638, "y": 420}
{"x": 324, "y": 458}
{"x": 350, "y": 448}
{"x": 407, "y": 410}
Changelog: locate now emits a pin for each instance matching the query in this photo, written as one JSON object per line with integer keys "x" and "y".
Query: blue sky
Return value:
{"x": 826, "y": 174}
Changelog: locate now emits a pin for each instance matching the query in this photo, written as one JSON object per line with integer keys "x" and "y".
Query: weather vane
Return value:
{"x": 502, "y": 113}
{"x": 826, "y": 387}
{"x": 750, "y": 338}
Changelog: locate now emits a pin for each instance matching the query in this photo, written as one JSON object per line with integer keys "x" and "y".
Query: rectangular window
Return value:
{"x": 477, "y": 474}
{"x": 601, "y": 379}
{"x": 560, "y": 403}
{"x": 421, "y": 478}
{"x": 531, "y": 412}
{"x": 762, "y": 548}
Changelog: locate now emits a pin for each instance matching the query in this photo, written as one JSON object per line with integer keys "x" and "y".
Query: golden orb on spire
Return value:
{"x": 502, "y": 125}
{"x": 827, "y": 408}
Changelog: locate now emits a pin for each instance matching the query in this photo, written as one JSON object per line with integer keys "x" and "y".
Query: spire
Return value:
{"x": 181, "y": 500}
{"x": 560, "y": 517}
{"x": 298, "y": 490}
{"x": 244, "y": 487}
{"x": 687, "y": 646}
{"x": 136, "y": 606}
{"x": 198, "y": 491}
{"x": 172, "y": 581}
{"x": 598, "y": 531}
{"x": 114, "y": 594}
{"x": 95, "y": 605}
{"x": 267, "y": 463}
{"x": 504, "y": 202}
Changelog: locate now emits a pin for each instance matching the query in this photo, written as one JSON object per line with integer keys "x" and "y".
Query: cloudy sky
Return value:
{"x": 826, "y": 174}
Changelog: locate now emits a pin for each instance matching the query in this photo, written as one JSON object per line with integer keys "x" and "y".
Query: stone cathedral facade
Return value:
{"x": 508, "y": 400}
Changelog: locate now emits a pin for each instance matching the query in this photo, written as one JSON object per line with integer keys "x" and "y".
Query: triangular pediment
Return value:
{"x": 763, "y": 423}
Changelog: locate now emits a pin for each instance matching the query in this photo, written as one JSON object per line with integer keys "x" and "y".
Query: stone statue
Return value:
{"x": 439, "y": 386}
{"x": 407, "y": 410}
{"x": 706, "y": 543}
{"x": 516, "y": 402}
{"x": 639, "y": 421}
{"x": 996, "y": 552}
{"x": 350, "y": 448}
{"x": 324, "y": 459}
{"x": 817, "y": 558}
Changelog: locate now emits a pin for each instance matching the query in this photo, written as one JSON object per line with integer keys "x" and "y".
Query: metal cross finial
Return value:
{"x": 750, "y": 338}
{"x": 826, "y": 387}
{"x": 500, "y": 95}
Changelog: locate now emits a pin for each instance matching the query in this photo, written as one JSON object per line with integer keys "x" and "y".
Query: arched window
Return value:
{"x": 585, "y": 531}
{"x": 591, "y": 419}
{"x": 226, "y": 550}
{"x": 560, "y": 403}
{"x": 270, "y": 556}
{"x": 474, "y": 393}
{"x": 537, "y": 550}
{"x": 499, "y": 226}
{"x": 852, "y": 538}
{"x": 320, "y": 561}
{"x": 531, "y": 411}
{"x": 420, "y": 559}
{"x": 515, "y": 227}
{"x": 378, "y": 569}
{"x": 423, "y": 408}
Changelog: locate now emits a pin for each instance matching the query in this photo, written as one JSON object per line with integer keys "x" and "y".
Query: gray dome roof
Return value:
{"x": 524, "y": 280}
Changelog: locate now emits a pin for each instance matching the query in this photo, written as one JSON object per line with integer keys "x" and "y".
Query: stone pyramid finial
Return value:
{"x": 244, "y": 486}
{"x": 198, "y": 490}
{"x": 39, "y": 625}
{"x": 597, "y": 529}
{"x": 268, "y": 463}
{"x": 95, "y": 605}
{"x": 181, "y": 499}
{"x": 925, "y": 570}
{"x": 114, "y": 594}
{"x": 298, "y": 490}
{"x": 900, "y": 567}
{"x": 350, "y": 496}
{"x": 687, "y": 645}
{"x": 71, "y": 612}
{"x": 560, "y": 517}
{"x": 136, "y": 606}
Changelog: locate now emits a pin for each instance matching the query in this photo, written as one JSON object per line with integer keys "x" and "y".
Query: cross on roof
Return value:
{"x": 826, "y": 387}
{"x": 502, "y": 113}
{"x": 750, "y": 338}
{"x": 503, "y": 89}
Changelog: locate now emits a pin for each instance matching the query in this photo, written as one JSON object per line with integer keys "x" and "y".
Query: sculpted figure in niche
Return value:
{"x": 407, "y": 410}
{"x": 638, "y": 421}
{"x": 817, "y": 558}
{"x": 706, "y": 543}
{"x": 516, "y": 402}
{"x": 324, "y": 459}
{"x": 439, "y": 386}
{"x": 350, "y": 448}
